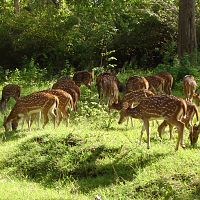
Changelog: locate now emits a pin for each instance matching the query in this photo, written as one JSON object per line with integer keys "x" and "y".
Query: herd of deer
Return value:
{"x": 146, "y": 98}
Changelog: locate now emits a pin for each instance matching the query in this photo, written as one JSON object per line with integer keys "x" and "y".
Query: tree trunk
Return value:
{"x": 16, "y": 6}
{"x": 187, "y": 42}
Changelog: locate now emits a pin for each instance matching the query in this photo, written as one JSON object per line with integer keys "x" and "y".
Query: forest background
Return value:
{"x": 64, "y": 36}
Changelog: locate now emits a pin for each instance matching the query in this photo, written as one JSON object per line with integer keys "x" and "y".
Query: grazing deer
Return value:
{"x": 83, "y": 77}
{"x": 187, "y": 120}
{"x": 33, "y": 103}
{"x": 194, "y": 134}
{"x": 189, "y": 87}
{"x": 10, "y": 90}
{"x": 107, "y": 88}
{"x": 160, "y": 106}
{"x": 168, "y": 81}
{"x": 71, "y": 88}
{"x": 156, "y": 84}
{"x": 136, "y": 83}
{"x": 65, "y": 100}
{"x": 133, "y": 98}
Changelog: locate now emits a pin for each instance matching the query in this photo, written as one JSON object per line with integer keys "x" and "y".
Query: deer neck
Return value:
{"x": 133, "y": 112}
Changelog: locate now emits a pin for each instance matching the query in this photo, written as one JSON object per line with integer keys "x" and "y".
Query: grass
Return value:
{"x": 96, "y": 156}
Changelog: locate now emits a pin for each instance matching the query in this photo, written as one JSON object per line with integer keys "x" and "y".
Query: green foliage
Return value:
{"x": 95, "y": 155}
{"x": 79, "y": 32}
{"x": 29, "y": 75}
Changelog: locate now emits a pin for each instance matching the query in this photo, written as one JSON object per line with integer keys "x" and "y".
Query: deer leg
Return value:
{"x": 142, "y": 132}
{"x": 45, "y": 115}
{"x": 180, "y": 127}
{"x": 146, "y": 124}
{"x": 170, "y": 131}
{"x": 60, "y": 116}
{"x": 161, "y": 128}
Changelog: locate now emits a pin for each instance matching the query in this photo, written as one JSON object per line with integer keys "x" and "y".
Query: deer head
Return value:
{"x": 194, "y": 134}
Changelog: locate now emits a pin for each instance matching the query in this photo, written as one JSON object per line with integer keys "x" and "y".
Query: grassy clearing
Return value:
{"x": 95, "y": 155}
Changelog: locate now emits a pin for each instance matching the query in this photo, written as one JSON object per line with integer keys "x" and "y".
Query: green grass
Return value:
{"x": 95, "y": 155}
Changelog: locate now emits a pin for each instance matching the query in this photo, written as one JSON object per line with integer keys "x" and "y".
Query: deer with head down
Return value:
{"x": 168, "y": 81}
{"x": 70, "y": 87}
{"x": 133, "y": 98}
{"x": 156, "y": 84}
{"x": 194, "y": 134}
{"x": 107, "y": 87}
{"x": 33, "y": 103}
{"x": 170, "y": 108}
{"x": 10, "y": 90}
{"x": 83, "y": 77}
{"x": 189, "y": 87}
{"x": 136, "y": 83}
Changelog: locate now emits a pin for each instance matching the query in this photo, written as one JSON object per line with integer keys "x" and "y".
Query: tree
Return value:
{"x": 16, "y": 6}
{"x": 187, "y": 42}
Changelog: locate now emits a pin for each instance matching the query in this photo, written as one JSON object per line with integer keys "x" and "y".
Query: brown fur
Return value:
{"x": 35, "y": 102}
{"x": 83, "y": 77}
{"x": 168, "y": 81}
{"x": 10, "y": 90}
{"x": 156, "y": 84}
{"x": 136, "y": 83}
{"x": 133, "y": 98}
{"x": 107, "y": 88}
{"x": 160, "y": 106}
{"x": 187, "y": 120}
{"x": 65, "y": 100}
{"x": 71, "y": 88}
{"x": 189, "y": 87}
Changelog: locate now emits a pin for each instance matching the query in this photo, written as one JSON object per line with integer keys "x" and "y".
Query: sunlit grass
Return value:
{"x": 97, "y": 156}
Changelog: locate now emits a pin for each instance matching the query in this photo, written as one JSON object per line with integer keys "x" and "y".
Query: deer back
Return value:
{"x": 168, "y": 81}
{"x": 136, "y": 83}
{"x": 83, "y": 77}
{"x": 158, "y": 106}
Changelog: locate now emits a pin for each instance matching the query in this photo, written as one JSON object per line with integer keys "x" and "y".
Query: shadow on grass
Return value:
{"x": 47, "y": 160}
{"x": 12, "y": 135}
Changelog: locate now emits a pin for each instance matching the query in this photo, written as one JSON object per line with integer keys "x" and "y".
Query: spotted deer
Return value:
{"x": 133, "y": 98}
{"x": 168, "y": 81}
{"x": 136, "y": 83}
{"x": 10, "y": 90}
{"x": 156, "y": 84}
{"x": 65, "y": 101}
{"x": 70, "y": 87}
{"x": 187, "y": 120}
{"x": 33, "y": 103}
{"x": 170, "y": 108}
{"x": 107, "y": 88}
{"x": 189, "y": 87}
{"x": 83, "y": 77}
{"x": 194, "y": 134}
